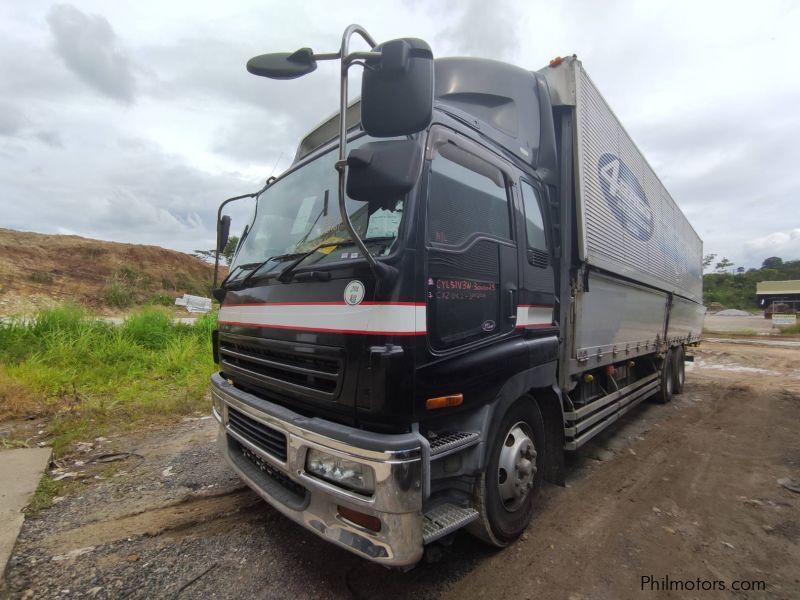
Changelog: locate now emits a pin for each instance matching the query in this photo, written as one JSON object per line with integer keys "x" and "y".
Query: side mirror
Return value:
{"x": 383, "y": 172}
{"x": 397, "y": 89}
{"x": 223, "y": 231}
{"x": 283, "y": 65}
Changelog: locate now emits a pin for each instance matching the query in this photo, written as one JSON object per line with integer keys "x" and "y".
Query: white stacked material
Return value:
{"x": 194, "y": 304}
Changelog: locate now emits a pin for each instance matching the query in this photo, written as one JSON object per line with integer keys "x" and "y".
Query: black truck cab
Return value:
{"x": 416, "y": 359}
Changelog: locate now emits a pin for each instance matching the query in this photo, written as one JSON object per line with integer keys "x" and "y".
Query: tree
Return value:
{"x": 226, "y": 255}
{"x": 723, "y": 265}
{"x": 740, "y": 270}
{"x": 773, "y": 262}
{"x": 708, "y": 259}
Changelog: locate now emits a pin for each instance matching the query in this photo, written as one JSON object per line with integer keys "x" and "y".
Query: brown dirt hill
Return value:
{"x": 38, "y": 270}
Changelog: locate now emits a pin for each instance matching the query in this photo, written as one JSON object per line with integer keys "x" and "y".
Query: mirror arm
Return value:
{"x": 326, "y": 56}
{"x": 354, "y": 56}
{"x": 379, "y": 270}
{"x": 219, "y": 218}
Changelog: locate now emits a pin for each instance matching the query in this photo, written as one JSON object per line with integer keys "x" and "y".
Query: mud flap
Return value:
{"x": 554, "y": 440}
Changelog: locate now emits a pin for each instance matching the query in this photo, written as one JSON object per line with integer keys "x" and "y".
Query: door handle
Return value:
{"x": 512, "y": 306}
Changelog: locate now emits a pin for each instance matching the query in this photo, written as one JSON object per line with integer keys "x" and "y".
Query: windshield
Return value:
{"x": 300, "y": 212}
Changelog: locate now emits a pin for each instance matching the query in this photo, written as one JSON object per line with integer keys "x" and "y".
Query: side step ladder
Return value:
{"x": 448, "y": 442}
{"x": 444, "y": 519}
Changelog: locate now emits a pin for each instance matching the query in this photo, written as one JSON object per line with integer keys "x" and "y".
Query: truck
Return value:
{"x": 465, "y": 274}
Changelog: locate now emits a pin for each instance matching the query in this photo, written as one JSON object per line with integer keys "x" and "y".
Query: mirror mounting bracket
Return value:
{"x": 381, "y": 271}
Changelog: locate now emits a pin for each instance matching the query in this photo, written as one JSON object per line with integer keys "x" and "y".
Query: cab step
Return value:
{"x": 444, "y": 519}
{"x": 448, "y": 442}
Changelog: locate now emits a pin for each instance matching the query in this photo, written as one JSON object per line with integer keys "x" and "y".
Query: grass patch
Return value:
{"x": 45, "y": 492}
{"x": 127, "y": 287}
{"x": 118, "y": 295}
{"x": 161, "y": 300}
{"x": 738, "y": 332}
{"x": 42, "y": 277}
{"x": 16, "y": 400}
{"x": 90, "y": 375}
{"x": 791, "y": 330}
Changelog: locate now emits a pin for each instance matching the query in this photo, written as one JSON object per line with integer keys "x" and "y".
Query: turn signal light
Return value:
{"x": 367, "y": 521}
{"x": 444, "y": 401}
{"x": 556, "y": 61}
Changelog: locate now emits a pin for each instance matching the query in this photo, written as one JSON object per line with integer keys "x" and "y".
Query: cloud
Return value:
{"x": 12, "y": 119}
{"x": 89, "y": 47}
{"x": 785, "y": 244}
{"x": 50, "y": 137}
{"x": 189, "y": 126}
{"x": 480, "y": 28}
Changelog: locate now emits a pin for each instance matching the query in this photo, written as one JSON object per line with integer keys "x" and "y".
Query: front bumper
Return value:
{"x": 313, "y": 503}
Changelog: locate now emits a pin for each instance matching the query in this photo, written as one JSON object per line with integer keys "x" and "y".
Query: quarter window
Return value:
{"x": 534, "y": 223}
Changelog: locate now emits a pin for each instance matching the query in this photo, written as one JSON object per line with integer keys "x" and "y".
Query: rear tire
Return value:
{"x": 664, "y": 394}
{"x": 505, "y": 491}
{"x": 678, "y": 370}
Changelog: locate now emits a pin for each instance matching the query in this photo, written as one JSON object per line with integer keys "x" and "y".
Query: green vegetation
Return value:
{"x": 160, "y": 300}
{"x": 45, "y": 492}
{"x": 791, "y": 330}
{"x": 124, "y": 287}
{"x": 737, "y": 289}
{"x": 89, "y": 374}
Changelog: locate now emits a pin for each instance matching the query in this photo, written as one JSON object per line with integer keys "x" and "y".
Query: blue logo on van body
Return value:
{"x": 625, "y": 196}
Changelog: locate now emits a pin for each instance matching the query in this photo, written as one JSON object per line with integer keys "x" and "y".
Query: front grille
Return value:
{"x": 270, "y": 440}
{"x": 282, "y": 367}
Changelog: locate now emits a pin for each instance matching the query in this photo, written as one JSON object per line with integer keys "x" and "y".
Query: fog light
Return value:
{"x": 340, "y": 471}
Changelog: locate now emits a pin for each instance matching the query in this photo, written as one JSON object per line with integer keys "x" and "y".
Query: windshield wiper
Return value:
{"x": 236, "y": 269}
{"x": 298, "y": 257}
{"x": 258, "y": 266}
{"x": 283, "y": 276}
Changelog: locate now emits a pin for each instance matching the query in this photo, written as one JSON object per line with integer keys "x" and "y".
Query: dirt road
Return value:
{"x": 687, "y": 491}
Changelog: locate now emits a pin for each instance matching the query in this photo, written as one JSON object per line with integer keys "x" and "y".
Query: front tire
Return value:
{"x": 505, "y": 492}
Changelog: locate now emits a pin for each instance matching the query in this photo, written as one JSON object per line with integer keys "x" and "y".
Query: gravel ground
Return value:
{"x": 687, "y": 489}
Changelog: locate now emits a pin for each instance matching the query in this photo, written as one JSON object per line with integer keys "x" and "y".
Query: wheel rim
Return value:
{"x": 681, "y": 370}
{"x": 516, "y": 469}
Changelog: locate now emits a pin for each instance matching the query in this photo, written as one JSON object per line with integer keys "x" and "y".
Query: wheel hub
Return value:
{"x": 516, "y": 467}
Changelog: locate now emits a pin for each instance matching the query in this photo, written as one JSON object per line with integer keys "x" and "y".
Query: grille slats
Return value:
{"x": 283, "y": 367}
{"x": 538, "y": 258}
{"x": 271, "y": 363}
{"x": 268, "y": 439}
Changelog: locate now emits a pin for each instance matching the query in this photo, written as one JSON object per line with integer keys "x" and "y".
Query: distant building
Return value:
{"x": 783, "y": 295}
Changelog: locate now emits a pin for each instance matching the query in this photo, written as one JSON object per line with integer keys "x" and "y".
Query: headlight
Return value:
{"x": 340, "y": 471}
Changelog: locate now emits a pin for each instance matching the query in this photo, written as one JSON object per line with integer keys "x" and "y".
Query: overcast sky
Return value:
{"x": 131, "y": 121}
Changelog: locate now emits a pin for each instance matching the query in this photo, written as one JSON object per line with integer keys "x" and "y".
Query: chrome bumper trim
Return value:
{"x": 396, "y": 500}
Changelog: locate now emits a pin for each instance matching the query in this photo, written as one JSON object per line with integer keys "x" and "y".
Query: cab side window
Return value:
{"x": 534, "y": 226}
{"x": 467, "y": 197}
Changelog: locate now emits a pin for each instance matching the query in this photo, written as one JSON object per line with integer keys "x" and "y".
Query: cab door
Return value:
{"x": 470, "y": 263}
{"x": 471, "y": 254}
